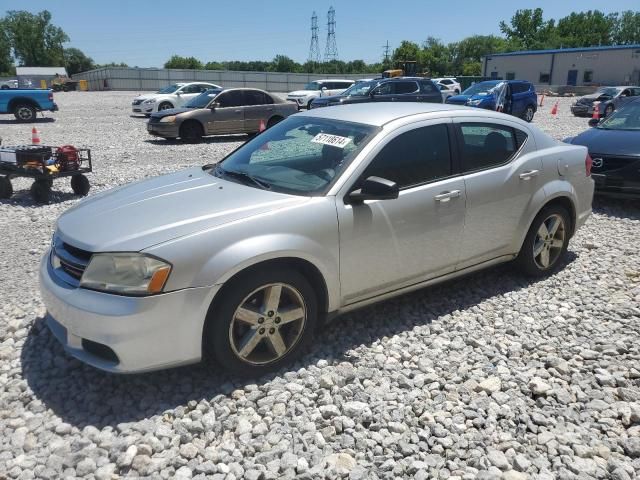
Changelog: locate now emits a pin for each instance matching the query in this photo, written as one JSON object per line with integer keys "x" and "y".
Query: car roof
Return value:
{"x": 333, "y": 80}
{"x": 379, "y": 114}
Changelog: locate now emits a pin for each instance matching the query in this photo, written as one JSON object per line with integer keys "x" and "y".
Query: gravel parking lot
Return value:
{"x": 490, "y": 377}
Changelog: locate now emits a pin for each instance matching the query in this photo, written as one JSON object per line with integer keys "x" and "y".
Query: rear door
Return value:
{"x": 406, "y": 91}
{"x": 229, "y": 116}
{"x": 501, "y": 174}
{"x": 258, "y": 108}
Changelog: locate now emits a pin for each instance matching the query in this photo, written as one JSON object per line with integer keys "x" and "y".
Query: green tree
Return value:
{"x": 435, "y": 58}
{"x": 76, "y": 61}
{"x": 188, "y": 63}
{"x": 282, "y": 63}
{"x": 112, "y": 64}
{"x": 34, "y": 40}
{"x": 472, "y": 68}
{"x": 6, "y": 62}
{"x": 528, "y": 30}
{"x": 407, "y": 51}
{"x": 467, "y": 53}
{"x": 585, "y": 29}
{"x": 626, "y": 29}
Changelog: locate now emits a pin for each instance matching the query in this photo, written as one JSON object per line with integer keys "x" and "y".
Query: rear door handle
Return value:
{"x": 446, "y": 196}
{"x": 528, "y": 175}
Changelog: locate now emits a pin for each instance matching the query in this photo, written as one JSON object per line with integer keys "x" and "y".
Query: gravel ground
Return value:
{"x": 489, "y": 377}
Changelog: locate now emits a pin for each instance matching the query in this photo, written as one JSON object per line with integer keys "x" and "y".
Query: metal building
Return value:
{"x": 613, "y": 65}
{"x": 32, "y": 76}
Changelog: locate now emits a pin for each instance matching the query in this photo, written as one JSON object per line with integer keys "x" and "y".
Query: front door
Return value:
{"x": 572, "y": 77}
{"x": 500, "y": 180}
{"x": 228, "y": 117}
{"x": 389, "y": 244}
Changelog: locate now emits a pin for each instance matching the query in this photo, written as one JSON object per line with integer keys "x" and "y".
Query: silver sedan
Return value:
{"x": 327, "y": 211}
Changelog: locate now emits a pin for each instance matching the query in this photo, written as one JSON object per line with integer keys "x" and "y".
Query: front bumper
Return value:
{"x": 143, "y": 108}
{"x": 582, "y": 110}
{"x": 166, "y": 130}
{"x": 54, "y": 108}
{"x": 144, "y": 333}
{"x": 616, "y": 187}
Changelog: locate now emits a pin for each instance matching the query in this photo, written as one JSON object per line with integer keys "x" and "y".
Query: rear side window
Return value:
{"x": 519, "y": 87}
{"x": 486, "y": 145}
{"x": 406, "y": 87}
{"x": 415, "y": 157}
{"x": 254, "y": 97}
{"x": 428, "y": 87}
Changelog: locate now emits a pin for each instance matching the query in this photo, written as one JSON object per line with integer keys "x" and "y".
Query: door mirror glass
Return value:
{"x": 593, "y": 122}
{"x": 374, "y": 188}
{"x": 215, "y": 105}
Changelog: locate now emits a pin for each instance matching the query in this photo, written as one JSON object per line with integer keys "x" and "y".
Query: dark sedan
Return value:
{"x": 614, "y": 146}
{"x": 399, "y": 89}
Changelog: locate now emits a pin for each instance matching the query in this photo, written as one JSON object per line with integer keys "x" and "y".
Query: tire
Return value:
{"x": 528, "y": 114}
{"x": 531, "y": 258}
{"x": 273, "y": 121}
{"x": 80, "y": 185}
{"x": 268, "y": 340}
{"x": 25, "y": 113}
{"x": 164, "y": 106}
{"x": 41, "y": 191}
{"x": 191, "y": 132}
{"x": 5, "y": 87}
{"x": 6, "y": 189}
{"x": 457, "y": 90}
{"x": 609, "y": 110}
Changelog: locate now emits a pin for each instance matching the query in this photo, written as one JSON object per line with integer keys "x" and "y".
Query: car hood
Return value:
{"x": 142, "y": 214}
{"x": 171, "y": 111}
{"x": 147, "y": 96}
{"x": 610, "y": 142}
{"x": 459, "y": 99}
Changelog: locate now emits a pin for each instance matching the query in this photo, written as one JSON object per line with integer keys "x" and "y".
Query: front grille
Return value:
{"x": 69, "y": 262}
{"x": 611, "y": 164}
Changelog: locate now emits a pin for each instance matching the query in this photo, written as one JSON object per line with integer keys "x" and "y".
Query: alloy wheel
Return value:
{"x": 25, "y": 113}
{"x": 549, "y": 242}
{"x": 528, "y": 115}
{"x": 267, "y": 324}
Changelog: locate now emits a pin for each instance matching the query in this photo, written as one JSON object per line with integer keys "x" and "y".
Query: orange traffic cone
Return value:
{"x": 596, "y": 111}
{"x": 554, "y": 110}
{"x": 262, "y": 125}
{"x": 35, "y": 136}
{"x": 541, "y": 100}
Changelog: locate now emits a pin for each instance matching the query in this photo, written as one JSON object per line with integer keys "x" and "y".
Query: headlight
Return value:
{"x": 168, "y": 119}
{"x": 126, "y": 273}
{"x": 474, "y": 102}
{"x": 151, "y": 100}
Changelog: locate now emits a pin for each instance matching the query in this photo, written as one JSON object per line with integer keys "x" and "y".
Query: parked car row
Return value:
{"x": 608, "y": 99}
{"x": 171, "y": 96}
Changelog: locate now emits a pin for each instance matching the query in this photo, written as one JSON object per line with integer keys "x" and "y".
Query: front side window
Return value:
{"x": 627, "y": 118}
{"x": 429, "y": 87}
{"x": 192, "y": 89}
{"x": 486, "y": 145}
{"x": 312, "y": 86}
{"x": 384, "y": 89}
{"x": 413, "y": 158}
{"x": 519, "y": 87}
{"x": 202, "y": 100}
{"x": 234, "y": 98}
{"x": 300, "y": 155}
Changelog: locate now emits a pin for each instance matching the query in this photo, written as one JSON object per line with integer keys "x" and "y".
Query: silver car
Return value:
{"x": 328, "y": 211}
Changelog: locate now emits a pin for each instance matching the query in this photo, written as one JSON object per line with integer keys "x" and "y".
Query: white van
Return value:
{"x": 318, "y": 88}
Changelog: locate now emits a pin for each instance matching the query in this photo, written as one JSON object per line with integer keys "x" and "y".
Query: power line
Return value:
{"x": 314, "y": 49}
{"x": 331, "y": 50}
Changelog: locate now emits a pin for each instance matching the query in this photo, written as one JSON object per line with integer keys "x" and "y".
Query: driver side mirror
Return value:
{"x": 215, "y": 105}
{"x": 593, "y": 122}
{"x": 373, "y": 188}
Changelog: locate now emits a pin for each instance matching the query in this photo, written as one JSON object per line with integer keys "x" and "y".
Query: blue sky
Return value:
{"x": 147, "y": 32}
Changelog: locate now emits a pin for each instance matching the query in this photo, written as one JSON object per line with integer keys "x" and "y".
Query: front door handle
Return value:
{"x": 528, "y": 175}
{"x": 446, "y": 196}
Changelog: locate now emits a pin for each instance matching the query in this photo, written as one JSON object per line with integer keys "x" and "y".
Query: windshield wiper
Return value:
{"x": 243, "y": 176}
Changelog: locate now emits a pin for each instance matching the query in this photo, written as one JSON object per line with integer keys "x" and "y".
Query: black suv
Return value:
{"x": 398, "y": 89}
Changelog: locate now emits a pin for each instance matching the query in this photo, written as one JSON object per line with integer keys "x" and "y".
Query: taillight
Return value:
{"x": 51, "y": 96}
{"x": 588, "y": 163}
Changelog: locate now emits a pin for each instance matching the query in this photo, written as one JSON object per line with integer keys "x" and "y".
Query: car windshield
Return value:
{"x": 169, "y": 89}
{"x": 203, "y": 99}
{"x": 360, "y": 89}
{"x": 300, "y": 155}
{"x": 627, "y": 118}
{"x": 607, "y": 91}
{"x": 480, "y": 88}
{"x": 312, "y": 86}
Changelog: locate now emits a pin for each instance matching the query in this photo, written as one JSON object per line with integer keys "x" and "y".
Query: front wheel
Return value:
{"x": 6, "y": 189}
{"x": 263, "y": 320}
{"x": 41, "y": 190}
{"x": 191, "y": 132}
{"x": 528, "y": 114}
{"x": 546, "y": 242}
{"x": 80, "y": 185}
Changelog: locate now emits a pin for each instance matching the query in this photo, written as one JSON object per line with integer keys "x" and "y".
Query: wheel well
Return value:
{"x": 567, "y": 204}
{"x": 14, "y": 102}
{"x": 192, "y": 121}
{"x": 275, "y": 118}
{"x": 163, "y": 102}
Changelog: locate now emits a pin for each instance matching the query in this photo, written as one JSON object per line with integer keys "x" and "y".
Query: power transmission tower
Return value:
{"x": 385, "y": 58}
{"x": 314, "y": 49}
{"x": 331, "y": 50}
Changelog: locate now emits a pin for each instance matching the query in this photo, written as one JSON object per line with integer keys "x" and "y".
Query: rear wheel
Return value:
{"x": 609, "y": 110}
{"x": 24, "y": 113}
{"x": 191, "y": 132}
{"x": 6, "y": 189}
{"x": 273, "y": 121}
{"x": 528, "y": 114}
{"x": 41, "y": 190}
{"x": 80, "y": 185}
{"x": 546, "y": 242}
{"x": 263, "y": 320}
